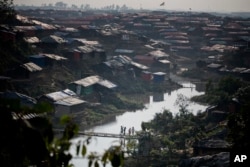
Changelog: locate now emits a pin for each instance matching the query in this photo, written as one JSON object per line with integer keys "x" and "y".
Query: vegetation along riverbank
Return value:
{"x": 71, "y": 69}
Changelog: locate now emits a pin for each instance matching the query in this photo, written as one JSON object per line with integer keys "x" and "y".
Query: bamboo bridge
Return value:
{"x": 101, "y": 134}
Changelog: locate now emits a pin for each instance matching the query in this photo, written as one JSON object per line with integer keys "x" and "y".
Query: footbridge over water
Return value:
{"x": 101, "y": 134}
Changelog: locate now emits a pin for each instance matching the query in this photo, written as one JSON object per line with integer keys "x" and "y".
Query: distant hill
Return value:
{"x": 233, "y": 14}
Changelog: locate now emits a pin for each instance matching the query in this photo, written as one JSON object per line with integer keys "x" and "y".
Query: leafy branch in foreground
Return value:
{"x": 30, "y": 141}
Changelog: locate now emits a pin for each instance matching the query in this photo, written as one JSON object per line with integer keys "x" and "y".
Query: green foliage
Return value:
{"x": 84, "y": 150}
{"x": 167, "y": 142}
{"x": 65, "y": 119}
{"x": 29, "y": 142}
{"x": 36, "y": 143}
{"x": 222, "y": 93}
{"x": 131, "y": 146}
{"x": 182, "y": 102}
{"x": 193, "y": 73}
{"x": 170, "y": 134}
{"x": 26, "y": 142}
{"x": 43, "y": 107}
{"x": 239, "y": 121}
{"x": 114, "y": 155}
{"x": 70, "y": 128}
{"x": 209, "y": 87}
{"x": 229, "y": 85}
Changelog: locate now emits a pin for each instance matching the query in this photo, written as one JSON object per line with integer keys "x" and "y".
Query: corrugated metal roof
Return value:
{"x": 23, "y": 19}
{"x": 107, "y": 84}
{"x": 213, "y": 65}
{"x": 85, "y": 49}
{"x": 60, "y": 94}
{"x": 113, "y": 64}
{"x": 239, "y": 69}
{"x": 124, "y": 51}
{"x": 149, "y": 46}
{"x": 69, "y": 101}
{"x": 25, "y": 28}
{"x": 159, "y": 73}
{"x": 139, "y": 65}
{"x": 55, "y": 96}
{"x": 211, "y": 29}
{"x": 69, "y": 92}
{"x": 44, "y": 25}
{"x": 32, "y": 39}
{"x": 53, "y": 39}
{"x": 31, "y": 67}
{"x": 16, "y": 116}
{"x": 122, "y": 59}
{"x": 37, "y": 56}
{"x": 177, "y": 41}
{"x": 83, "y": 41}
{"x": 164, "y": 61}
{"x": 24, "y": 99}
{"x": 53, "y": 56}
{"x": 158, "y": 54}
{"x": 247, "y": 71}
{"x": 69, "y": 29}
{"x": 88, "y": 81}
{"x": 179, "y": 37}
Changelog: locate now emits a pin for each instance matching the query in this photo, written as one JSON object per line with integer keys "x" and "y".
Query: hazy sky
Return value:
{"x": 195, "y": 5}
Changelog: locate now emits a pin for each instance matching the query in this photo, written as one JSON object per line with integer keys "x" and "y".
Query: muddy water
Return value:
{"x": 156, "y": 104}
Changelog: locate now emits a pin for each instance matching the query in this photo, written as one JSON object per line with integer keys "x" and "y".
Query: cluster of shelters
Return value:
{"x": 65, "y": 46}
{"x": 224, "y": 70}
{"x": 65, "y": 102}
{"x": 128, "y": 48}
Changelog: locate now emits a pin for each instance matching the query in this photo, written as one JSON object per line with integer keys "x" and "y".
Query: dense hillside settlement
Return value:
{"x": 93, "y": 65}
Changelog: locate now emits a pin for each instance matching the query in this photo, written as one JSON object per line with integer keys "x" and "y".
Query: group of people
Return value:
{"x": 131, "y": 131}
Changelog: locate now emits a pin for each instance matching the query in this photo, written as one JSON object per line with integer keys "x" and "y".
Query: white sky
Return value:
{"x": 195, "y": 5}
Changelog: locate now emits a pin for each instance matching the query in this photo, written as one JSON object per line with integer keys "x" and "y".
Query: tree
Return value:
{"x": 182, "y": 102}
{"x": 229, "y": 85}
{"x": 209, "y": 87}
{"x": 32, "y": 142}
{"x": 239, "y": 121}
{"x": 26, "y": 142}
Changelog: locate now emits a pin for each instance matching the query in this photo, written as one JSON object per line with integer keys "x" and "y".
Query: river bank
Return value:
{"x": 130, "y": 103}
{"x": 134, "y": 119}
{"x": 129, "y": 98}
{"x": 115, "y": 105}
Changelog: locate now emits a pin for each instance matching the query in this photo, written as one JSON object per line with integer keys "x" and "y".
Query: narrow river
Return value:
{"x": 134, "y": 119}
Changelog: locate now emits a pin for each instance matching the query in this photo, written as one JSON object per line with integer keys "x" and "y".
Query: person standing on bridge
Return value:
{"x": 133, "y": 130}
{"x": 121, "y": 129}
{"x": 124, "y": 130}
{"x": 129, "y": 131}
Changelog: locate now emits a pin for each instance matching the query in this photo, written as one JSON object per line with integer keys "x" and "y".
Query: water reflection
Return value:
{"x": 157, "y": 104}
{"x": 158, "y": 97}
